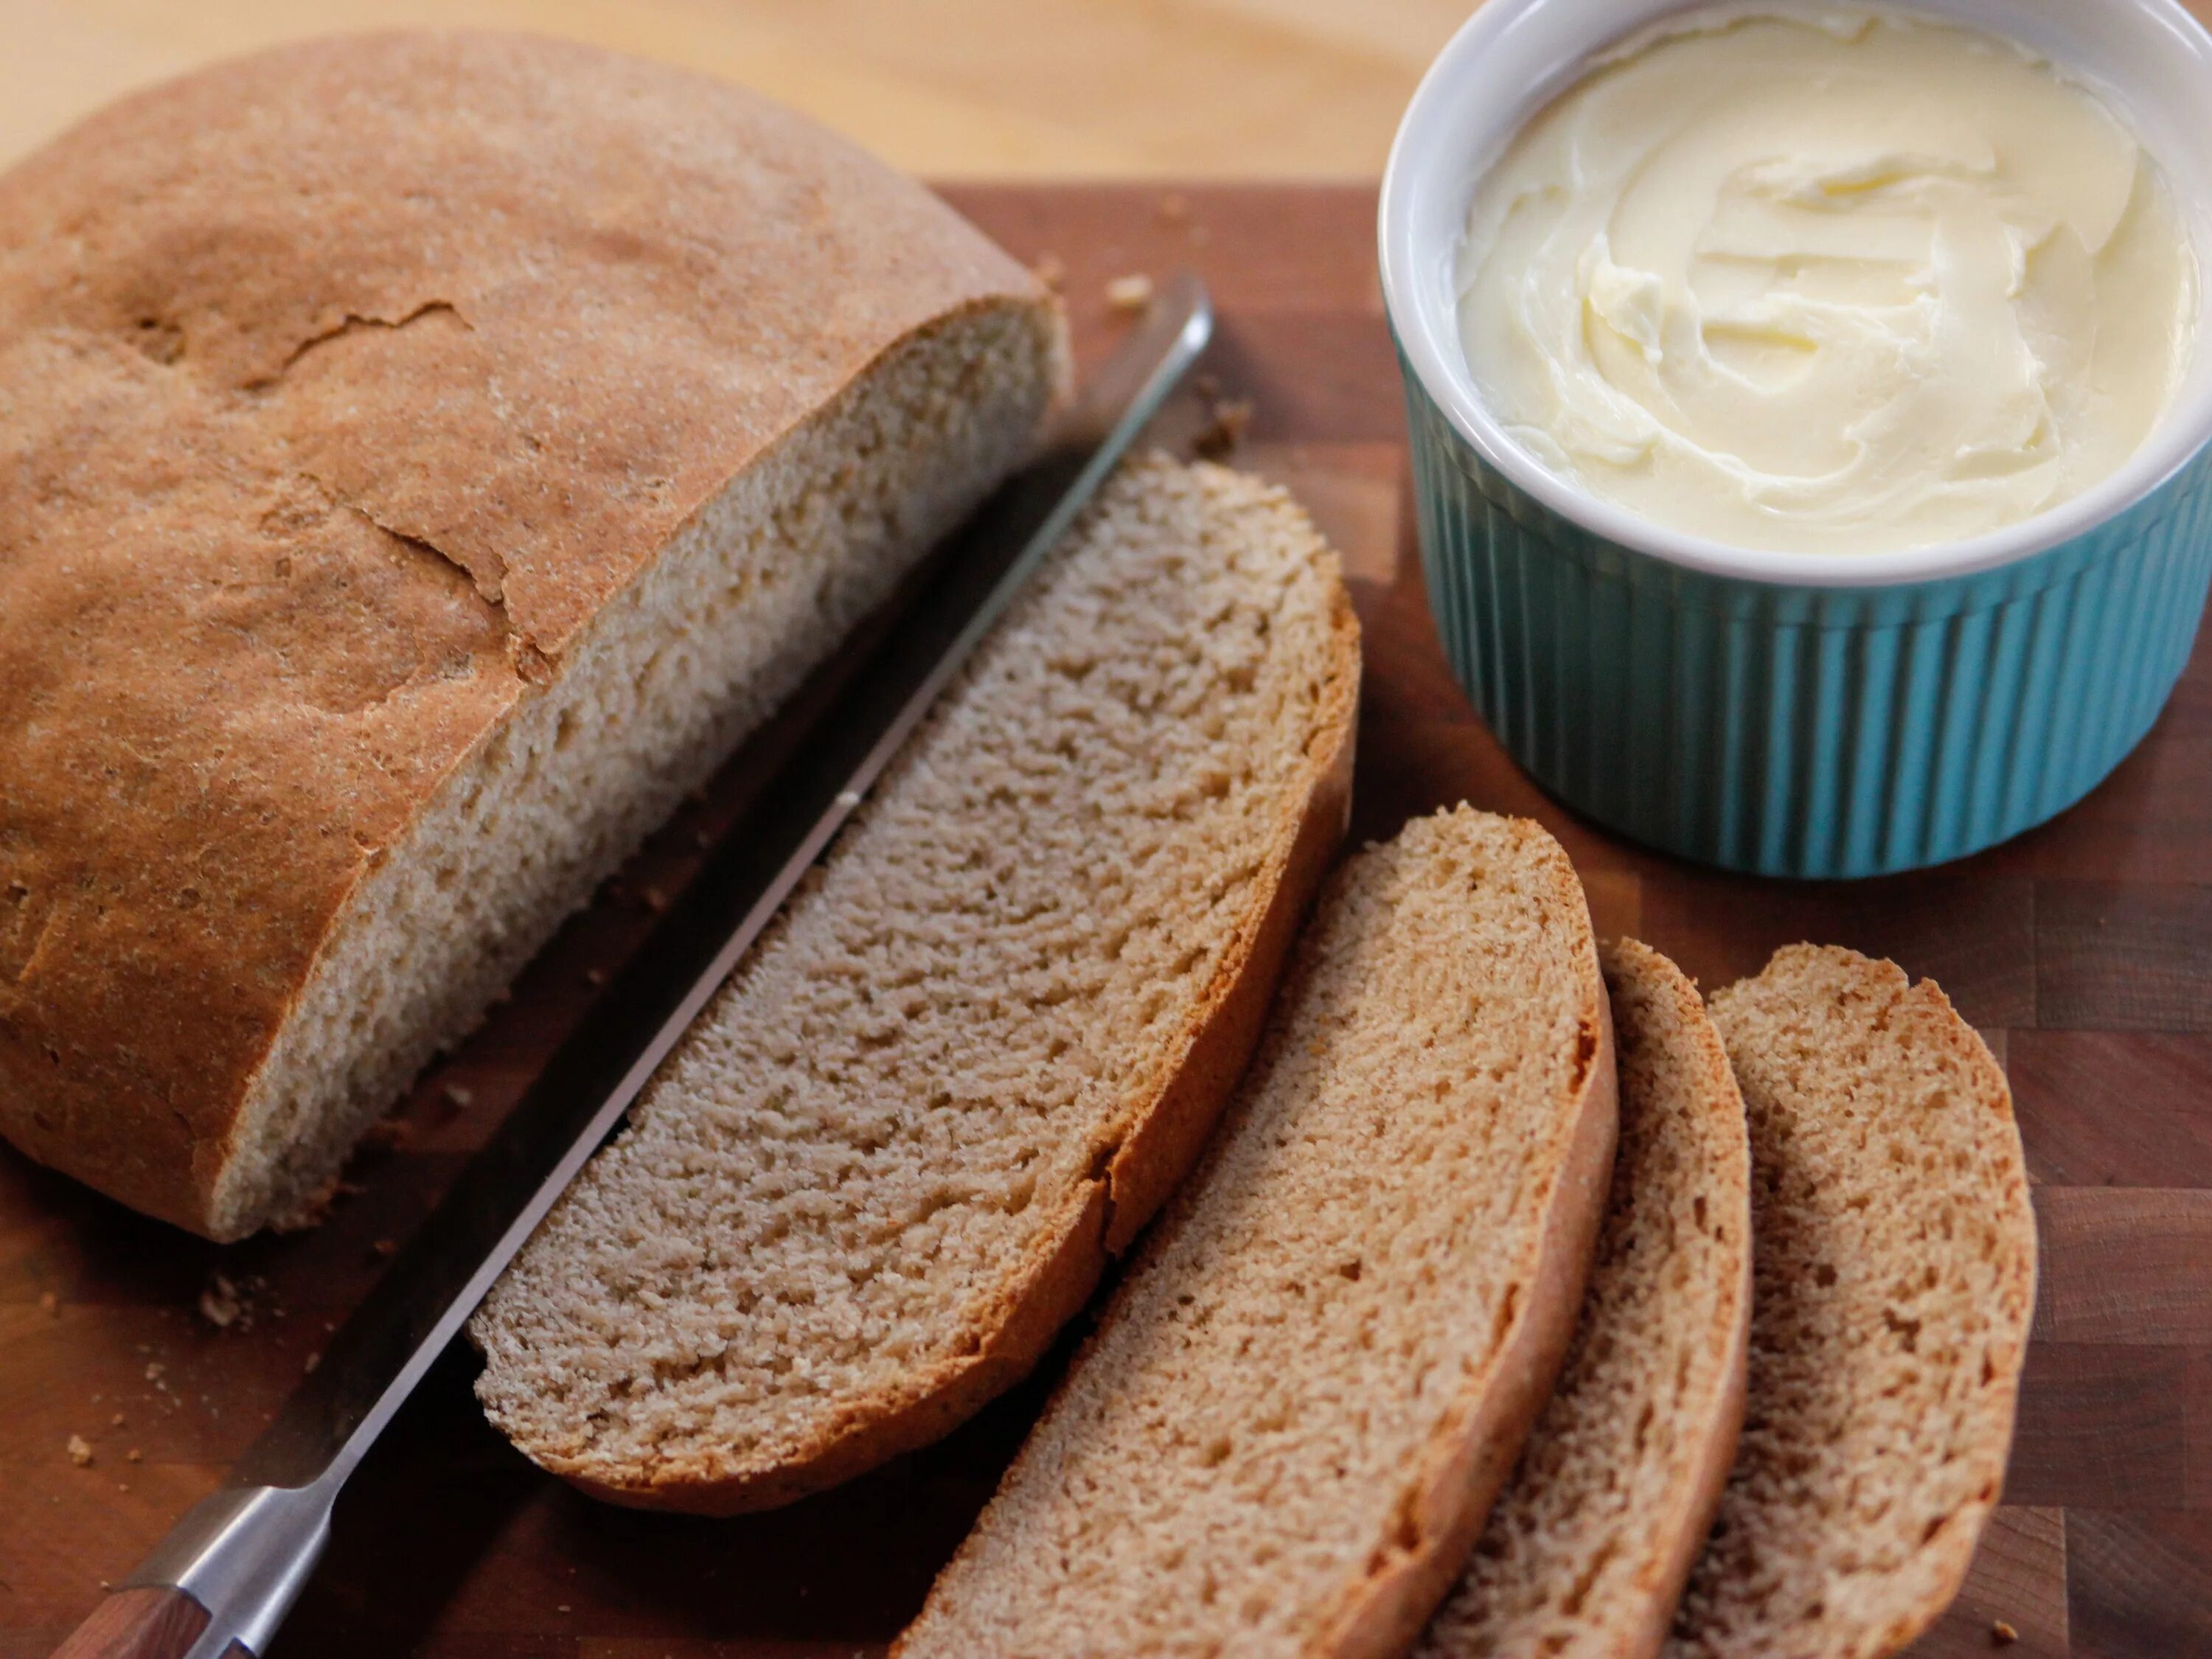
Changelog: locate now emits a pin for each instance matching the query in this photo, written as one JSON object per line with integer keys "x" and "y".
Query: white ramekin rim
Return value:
{"x": 1429, "y": 342}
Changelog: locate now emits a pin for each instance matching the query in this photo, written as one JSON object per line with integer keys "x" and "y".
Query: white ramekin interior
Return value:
{"x": 2149, "y": 58}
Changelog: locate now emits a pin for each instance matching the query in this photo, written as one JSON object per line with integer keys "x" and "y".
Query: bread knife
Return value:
{"x": 218, "y": 1584}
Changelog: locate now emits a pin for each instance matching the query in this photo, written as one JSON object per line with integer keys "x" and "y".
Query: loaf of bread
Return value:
{"x": 973, "y": 1056}
{"x": 1297, "y": 1407}
{"x": 421, "y": 458}
{"x": 1893, "y": 1282}
{"x": 1584, "y": 1555}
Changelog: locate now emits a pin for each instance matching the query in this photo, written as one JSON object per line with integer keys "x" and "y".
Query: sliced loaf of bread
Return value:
{"x": 1285, "y": 1433}
{"x": 1584, "y": 1555}
{"x": 423, "y": 457}
{"x": 1894, "y": 1279}
{"x": 979, "y": 1048}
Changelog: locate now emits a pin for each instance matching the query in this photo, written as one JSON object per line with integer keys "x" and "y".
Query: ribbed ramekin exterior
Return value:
{"x": 1809, "y": 732}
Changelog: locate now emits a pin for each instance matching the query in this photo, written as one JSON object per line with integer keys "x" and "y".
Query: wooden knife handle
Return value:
{"x": 145, "y": 1623}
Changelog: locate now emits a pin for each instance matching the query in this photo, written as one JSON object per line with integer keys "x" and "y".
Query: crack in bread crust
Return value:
{"x": 362, "y": 399}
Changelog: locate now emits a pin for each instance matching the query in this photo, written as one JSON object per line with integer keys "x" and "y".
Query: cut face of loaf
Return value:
{"x": 421, "y": 458}
{"x": 1585, "y": 1552}
{"x": 658, "y": 686}
{"x": 981, "y": 1045}
{"x": 1297, "y": 1407}
{"x": 1894, "y": 1268}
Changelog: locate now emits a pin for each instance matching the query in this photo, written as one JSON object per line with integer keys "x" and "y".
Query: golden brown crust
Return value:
{"x": 1475, "y": 1452}
{"x": 870, "y": 1432}
{"x": 1920, "y": 1019}
{"x": 340, "y": 386}
{"x": 1924, "y": 1004}
{"x": 1160, "y": 1147}
{"x": 1571, "y": 1561}
{"x": 1164, "y": 1137}
{"x": 1626, "y": 960}
{"x": 1471, "y": 1455}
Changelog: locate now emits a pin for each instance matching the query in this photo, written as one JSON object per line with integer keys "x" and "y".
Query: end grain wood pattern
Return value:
{"x": 2082, "y": 949}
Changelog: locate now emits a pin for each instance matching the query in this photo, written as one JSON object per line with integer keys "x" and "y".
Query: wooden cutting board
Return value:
{"x": 2084, "y": 951}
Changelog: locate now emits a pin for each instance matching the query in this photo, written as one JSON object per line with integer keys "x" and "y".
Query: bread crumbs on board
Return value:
{"x": 1131, "y": 293}
{"x": 219, "y": 1303}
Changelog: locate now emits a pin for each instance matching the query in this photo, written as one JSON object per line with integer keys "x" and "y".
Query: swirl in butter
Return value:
{"x": 1827, "y": 281}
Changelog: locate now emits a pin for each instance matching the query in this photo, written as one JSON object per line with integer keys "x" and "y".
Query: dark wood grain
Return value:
{"x": 2101, "y": 1425}
{"x": 2139, "y": 1583}
{"x": 2113, "y": 1108}
{"x": 138, "y": 1624}
{"x": 2083, "y": 950}
{"x": 2125, "y": 1265}
{"x": 2125, "y": 955}
{"x": 1975, "y": 938}
{"x": 2018, "y": 1581}
{"x": 2197, "y": 1429}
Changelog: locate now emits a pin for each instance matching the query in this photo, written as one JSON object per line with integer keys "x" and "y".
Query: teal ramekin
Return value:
{"x": 1794, "y": 714}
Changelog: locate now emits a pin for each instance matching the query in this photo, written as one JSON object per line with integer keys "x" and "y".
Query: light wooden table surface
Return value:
{"x": 949, "y": 88}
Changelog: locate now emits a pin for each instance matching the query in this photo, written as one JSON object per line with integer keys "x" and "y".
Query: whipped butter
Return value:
{"x": 1827, "y": 280}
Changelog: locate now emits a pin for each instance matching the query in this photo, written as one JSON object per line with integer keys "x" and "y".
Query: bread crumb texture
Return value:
{"x": 1584, "y": 1554}
{"x": 1894, "y": 1279}
{"x": 421, "y": 458}
{"x": 1260, "y": 1435}
{"x": 835, "y": 1198}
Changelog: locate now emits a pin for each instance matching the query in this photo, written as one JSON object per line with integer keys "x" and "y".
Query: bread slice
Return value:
{"x": 893, "y": 1156}
{"x": 1895, "y": 1280}
{"x": 1585, "y": 1552}
{"x": 1284, "y": 1435}
{"x": 426, "y": 456}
